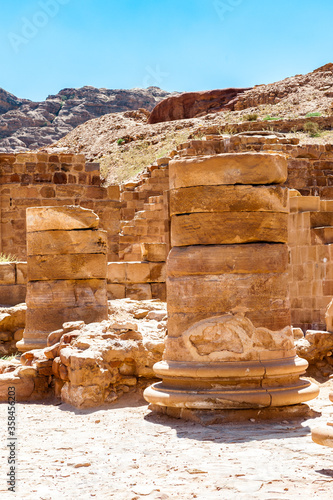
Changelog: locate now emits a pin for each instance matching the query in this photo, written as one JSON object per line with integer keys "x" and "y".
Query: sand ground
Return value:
{"x": 125, "y": 452}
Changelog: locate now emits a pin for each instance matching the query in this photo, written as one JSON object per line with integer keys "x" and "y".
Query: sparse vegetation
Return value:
{"x": 312, "y": 115}
{"x": 271, "y": 118}
{"x": 120, "y": 142}
{"x": 250, "y": 117}
{"x": 312, "y": 129}
{"x": 133, "y": 158}
{"x": 9, "y": 357}
{"x": 7, "y": 257}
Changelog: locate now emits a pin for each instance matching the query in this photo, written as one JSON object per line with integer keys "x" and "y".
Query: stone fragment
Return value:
{"x": 228, "y": 228}
{"x": 60, "y": 218}
{"x": 241, "y": 168}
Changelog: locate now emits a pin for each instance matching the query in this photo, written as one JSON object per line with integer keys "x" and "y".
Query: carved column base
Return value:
{"x": 231, "y": 385}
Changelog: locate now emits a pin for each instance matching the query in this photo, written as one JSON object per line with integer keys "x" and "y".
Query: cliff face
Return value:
{"x": 26, "y": 124}
{"x": 194, "y": 104}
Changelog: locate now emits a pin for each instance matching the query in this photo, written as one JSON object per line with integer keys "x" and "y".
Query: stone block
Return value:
{"x": 60, "y": 218}
{"x": 21, "y": 273}
{"x": 137, "y": 272}
{"x": 116, "y": 291}
{"x": 67, "y": 293}
{"x": 153, "y": 252}
{"x": 226, "y": 292}
{"x": 10, "y": 295}
{"x": 228, "y": 228}
{"x": 67, "y": 267}
{"x": 91, "y": 241}
{"x": 229, "y": 199}
{"x": 256, "y": 258}
{"x": 7, "y": 273}
{"x": 116, "y": 272}
{"x": 157, "y": 272}
{"x": 138, "y": 292}
{"x": 240, "y": 168}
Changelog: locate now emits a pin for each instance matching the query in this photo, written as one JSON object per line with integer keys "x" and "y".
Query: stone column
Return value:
{"x": 230, "y": 343}
{"x": 67, "y": 268}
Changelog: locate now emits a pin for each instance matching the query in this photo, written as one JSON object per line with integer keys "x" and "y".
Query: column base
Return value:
{"x": 231, "y": 385}
{"x": 25, "y": 345}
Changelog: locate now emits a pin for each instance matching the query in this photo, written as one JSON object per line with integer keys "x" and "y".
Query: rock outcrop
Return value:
{"x": 26, "y": 124}
{"x": 194, "y": 104}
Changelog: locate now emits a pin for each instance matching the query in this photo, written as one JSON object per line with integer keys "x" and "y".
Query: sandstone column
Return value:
{"x": 67, "y": 267}
{"x": 230, "y": 343}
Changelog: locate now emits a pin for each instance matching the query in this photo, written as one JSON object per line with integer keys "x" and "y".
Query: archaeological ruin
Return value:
{"x": 232, "y": 234}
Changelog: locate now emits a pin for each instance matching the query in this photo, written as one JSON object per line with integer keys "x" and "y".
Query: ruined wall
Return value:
{"x": 311, "y": 260}
{"x": 40, "y": 179}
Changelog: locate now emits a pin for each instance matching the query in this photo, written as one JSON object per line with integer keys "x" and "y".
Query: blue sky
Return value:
{"x": 184, "y": 45}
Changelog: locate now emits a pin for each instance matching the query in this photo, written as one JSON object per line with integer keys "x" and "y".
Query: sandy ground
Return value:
{"x": 126, "y": 452}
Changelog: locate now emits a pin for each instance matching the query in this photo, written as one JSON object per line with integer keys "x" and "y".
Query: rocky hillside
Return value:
{"x": 126, "y": 142}
{"x": 26, "y": 124}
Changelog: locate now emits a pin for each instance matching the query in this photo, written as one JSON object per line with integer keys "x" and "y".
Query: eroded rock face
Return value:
{"x": 12, "y": 323}
{"x": 194, "y": 104}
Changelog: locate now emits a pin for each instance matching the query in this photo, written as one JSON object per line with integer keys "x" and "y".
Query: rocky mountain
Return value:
{"x": 25, "y": 124}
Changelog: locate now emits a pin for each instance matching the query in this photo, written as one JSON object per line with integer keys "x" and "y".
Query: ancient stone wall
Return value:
{"x": 311, "y": 260}
{"x": 40, "y": 179}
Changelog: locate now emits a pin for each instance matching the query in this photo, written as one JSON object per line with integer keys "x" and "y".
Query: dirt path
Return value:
{"x": 126, "y": 452}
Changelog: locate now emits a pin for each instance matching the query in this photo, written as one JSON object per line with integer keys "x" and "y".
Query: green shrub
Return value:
{"x": 120, "y": 142}
{"x": 312, "y": 129}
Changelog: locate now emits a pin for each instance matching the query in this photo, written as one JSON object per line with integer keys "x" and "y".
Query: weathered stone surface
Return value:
{"x": 194, "y": 104}
{"x": 256, "y": 258}
{"x": 69, "y": 293}
{"x": 67, "y": 242}
{"x": 10, "y": 295}
{"x": 7, "y": 273}
{"x": 229, "y": 338}
{"x": 60, "y": 218}
{"x": 315, "y": 345}
{"x": 228, "y": 199}
{"x": 228, "y": 228}
{"x": 107, "y": 359}
{"x": 24, "y": 386}
{"x": 241, "y": 168}
{"x": 48, "y": 319}
{"x": 153, "y": 252}
{"x": 67, "y": 267}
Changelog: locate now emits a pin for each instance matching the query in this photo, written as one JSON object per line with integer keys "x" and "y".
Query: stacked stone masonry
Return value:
{"x": 40, "y": 179}
{"x": 67, "y": 266}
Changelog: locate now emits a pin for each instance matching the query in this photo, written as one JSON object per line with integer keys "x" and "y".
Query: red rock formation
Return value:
{"x": 194, "y": 104}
